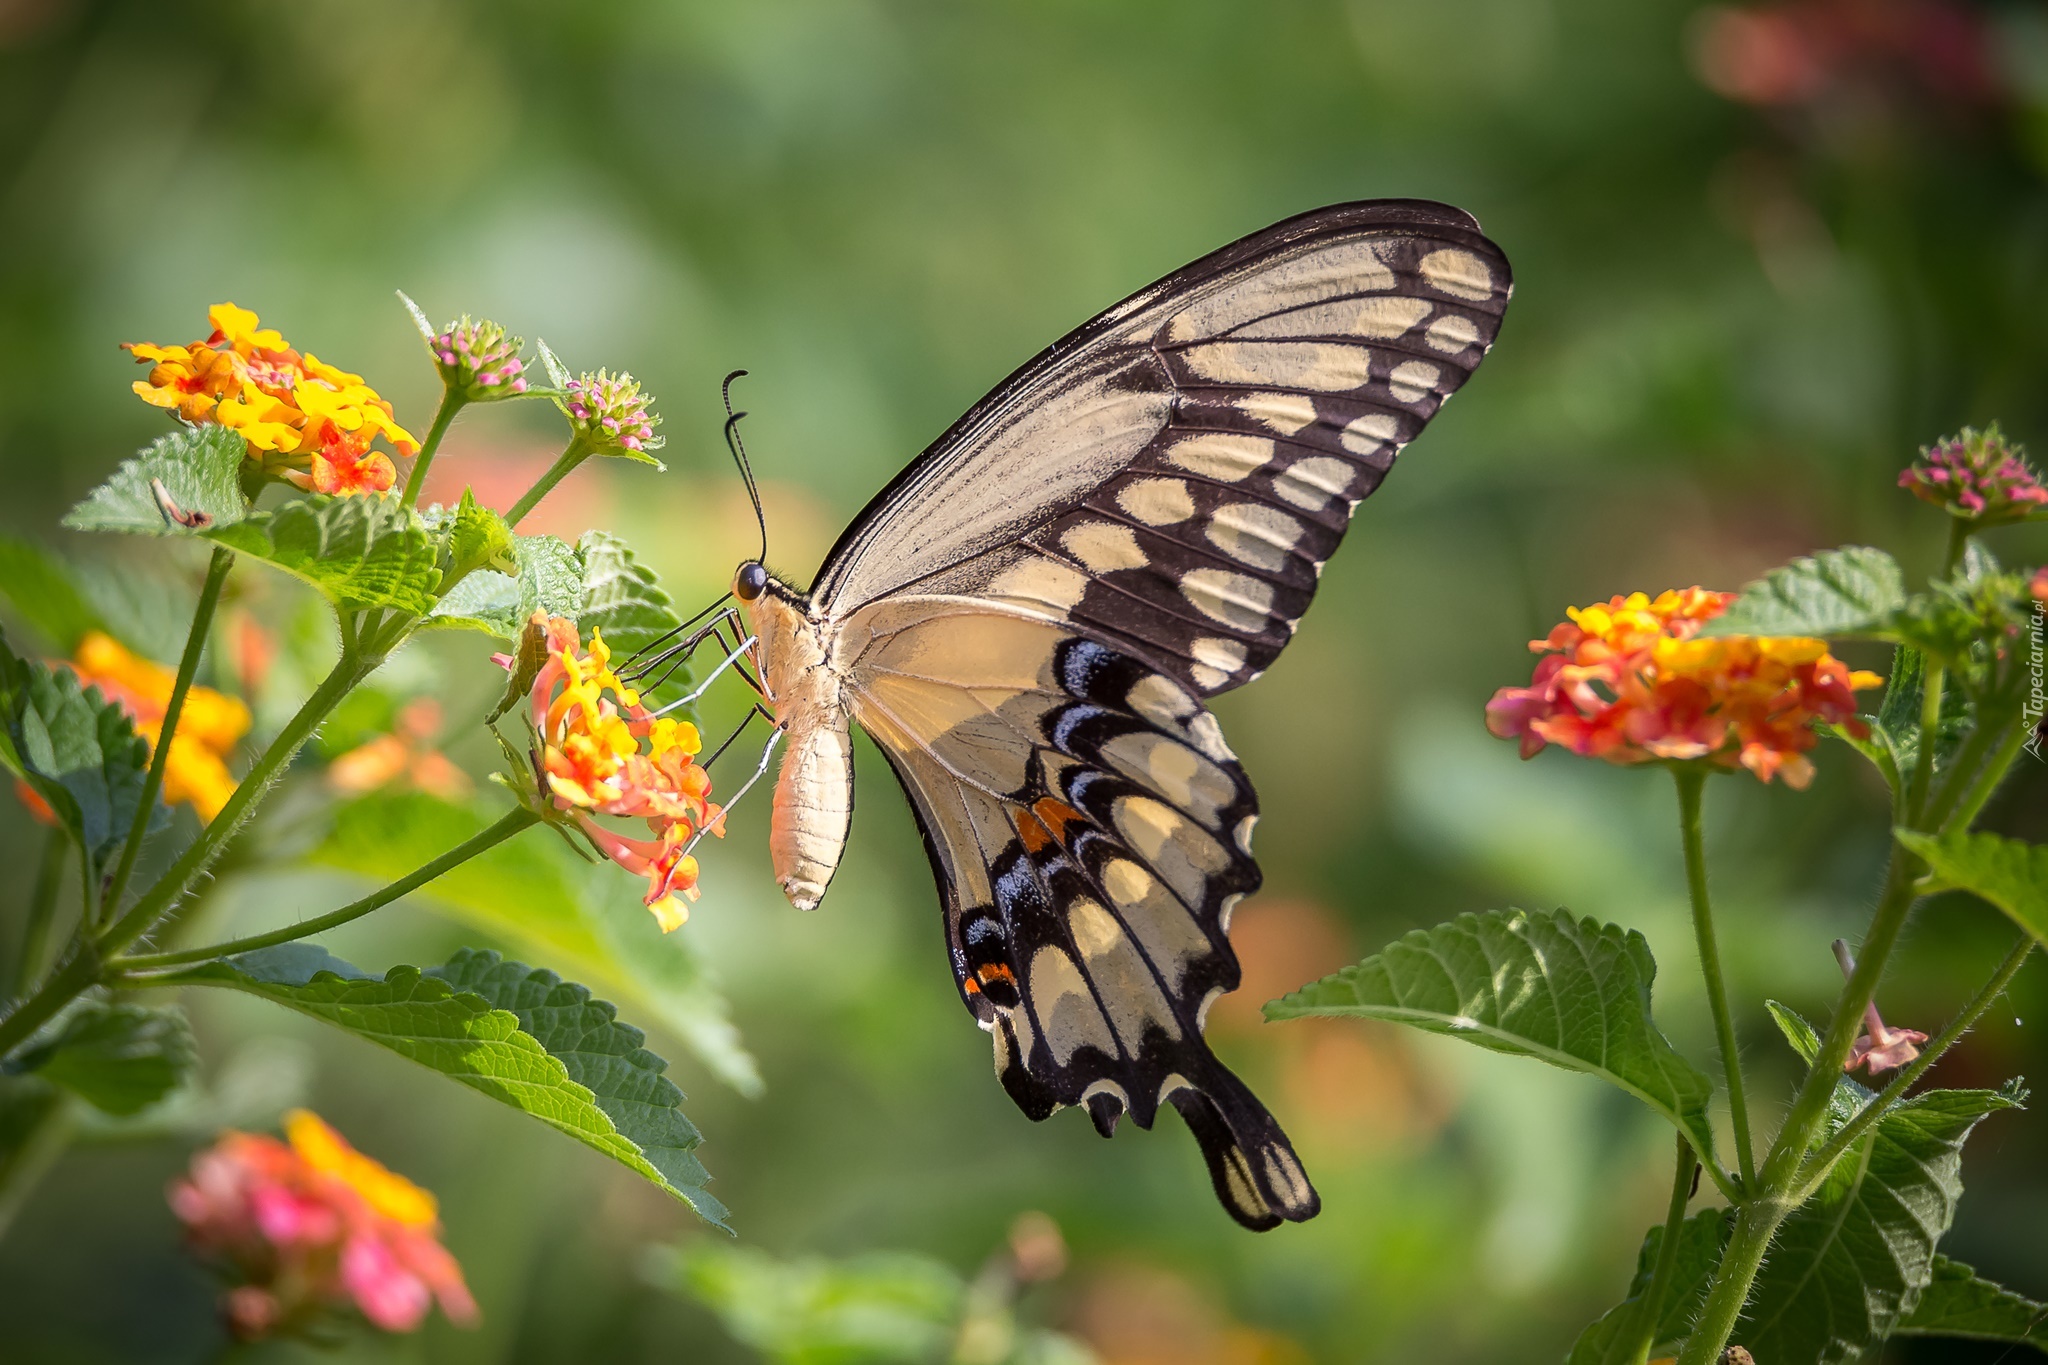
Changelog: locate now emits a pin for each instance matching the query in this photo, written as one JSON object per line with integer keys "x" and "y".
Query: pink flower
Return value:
{"x": 310, "y": 1227}
{"x": 1977, "y": 475}
{"x": 1881, "y": 1049}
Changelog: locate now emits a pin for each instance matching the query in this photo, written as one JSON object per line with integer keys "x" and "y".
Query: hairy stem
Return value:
{"x": 1823, "y": 1161}
{"x": 451, "y": 403}
{"x": 195, "y": 645}
{"x": 42, "y": 910}
{"x": 1756, "y": 1223}
{"x": 1930, "y": 738}
{"x": 513, "y": 822}
{"x": 1650, "y": 1308}
{"x": 1980, "y": 791}
{"x": 1691, "y": 781}
{"x": 575, "y": 454}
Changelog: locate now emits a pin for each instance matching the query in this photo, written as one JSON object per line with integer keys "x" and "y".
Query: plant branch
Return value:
{"x": 451, "y": 403}
{"x": 1691, "y": 780}
{"x": 1817, "y": 1168}
{"x": 1649, "y": 1309}
{"x": 1980, "y": 791}
{"x": 188, "y": 666}
{"x": 42, "y": 910}
{"x": 513, "y": 822}
{"x": 575, "y": 454}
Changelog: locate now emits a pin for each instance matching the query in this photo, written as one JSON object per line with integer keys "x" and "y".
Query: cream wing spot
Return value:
{"x": 1039, "y": 580}
{"x": 1255, "y": 534}
{"x": 1207, "y": 734}
{"x": 1379, "y": 317}
{"x": 1451, "y": 333}
{"x": 1128, "y": 989}
{"x": 1413, "y": 379}
{"x": 1157, "y": 502}
{"x": 1217, "y": 455}
{"x": 1065, "y": 1009}
{"x": 1175, "y": 771}
{"x": 1458, "y": 273}
{"x": 1216, "y": 660}
{"x": 1103, "y": 546}
{"x": 1239, "y": 601}
{"x": 1156, "y": 699}
{"x": 1314, "y": 483}
{"x": 1162, "y": 925}
{"x": 1243, "y": 834}
{"x": 1367, "y": 434}
{"x": 1285, "y": 413}
{"x": 1314, "y": 365}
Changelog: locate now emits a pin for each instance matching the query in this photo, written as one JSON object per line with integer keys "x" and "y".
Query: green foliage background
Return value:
{"x": 1731, "y": 329}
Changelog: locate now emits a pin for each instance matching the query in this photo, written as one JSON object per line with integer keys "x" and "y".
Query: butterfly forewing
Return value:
{"x": 1176, "y": 473}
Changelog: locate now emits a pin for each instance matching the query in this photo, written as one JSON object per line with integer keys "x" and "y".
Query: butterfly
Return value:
{"x": 1028, "y": 620}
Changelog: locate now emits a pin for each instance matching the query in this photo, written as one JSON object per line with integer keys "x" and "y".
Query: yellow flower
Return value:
{"x": 196, "y": 769}
{"x": 384, "y": 1190}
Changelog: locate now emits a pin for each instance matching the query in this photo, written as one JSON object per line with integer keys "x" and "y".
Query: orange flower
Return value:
{"x": 1628, "y": 681}
{"x": 310, "y": 413}
{"x": 603, "y": 753}
{"x": 208, "y": 729}
{"x": 2039, "y": 587}
{"x": 406, "y": 753}
{"x": 312, "y": 1226}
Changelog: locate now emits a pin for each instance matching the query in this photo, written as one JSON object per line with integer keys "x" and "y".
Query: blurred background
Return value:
{"x": 1762, "y": 254}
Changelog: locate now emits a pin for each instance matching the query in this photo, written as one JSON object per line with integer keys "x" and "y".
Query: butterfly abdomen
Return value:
{"x": 814, "y": 790}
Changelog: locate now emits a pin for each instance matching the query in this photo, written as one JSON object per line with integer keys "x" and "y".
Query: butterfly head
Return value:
{"x": 750, "y": 581}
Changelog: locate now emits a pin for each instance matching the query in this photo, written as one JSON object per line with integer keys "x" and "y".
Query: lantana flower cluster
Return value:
{"x": 613, "y": 412}
{"x": 310, "y": 1226}
{"x": 317, "y": 419}
{"x": 479, "y": 360}
{"x": 1978, "y": 475}
{"x": 1630, "y": 681}
{"x": 602, "y": 752}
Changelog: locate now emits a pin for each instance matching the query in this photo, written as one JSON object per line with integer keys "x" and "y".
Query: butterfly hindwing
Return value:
{"x": 1176, "y": 473}
{"x": 1090, "y": 832}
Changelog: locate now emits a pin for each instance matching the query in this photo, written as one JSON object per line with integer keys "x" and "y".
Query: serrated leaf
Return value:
{"x": 536, "y": 897}
{"x": 78, "y": 751}
{"x": 1960, "y": 1303}
{"x": 200, "y": 472}
{"x": 1849, "y": 1097}
{"x": 2006, "y": 872}
{"x": 1852, "y": 1260}
{"x": 1850, "y": 591}
{"x": 364, "y": 551}
{"x": 1896, "y": 726}
{"x": 478, "y": 538}
{"x": 455, "y": 1032}
{"x": 43, "y": 591}
{"x": 119, "y": 1058}
{"x": 621, "y": 596}
{"x": 601, "y": 1054}
{"x": 1574, "y": 993}
{"x": 1611, "y": 1338}
{"x": 549, "y": 579}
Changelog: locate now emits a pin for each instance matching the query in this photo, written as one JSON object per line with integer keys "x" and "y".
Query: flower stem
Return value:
{"x": 451, "y": 403}
{"x": 1822, "y": 1161}
{"x": 195, "y": 644}
{"x": 1690, "y": 782}
{"x": 42, "y": 910}
{"x": 1972, "y": 801}
{"x": 576, "y": 453}
{"x": 513, "y": 822}
{"x": 32, "y": 1155}
{"x": 1930, "y": 739}
{"x": 1650, "y": 1308}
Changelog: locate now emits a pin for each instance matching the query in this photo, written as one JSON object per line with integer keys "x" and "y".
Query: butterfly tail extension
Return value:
{"x": 1258, "y": 1178}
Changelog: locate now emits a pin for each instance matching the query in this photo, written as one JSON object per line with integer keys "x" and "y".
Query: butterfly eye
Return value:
{"x": 750, "y": 582}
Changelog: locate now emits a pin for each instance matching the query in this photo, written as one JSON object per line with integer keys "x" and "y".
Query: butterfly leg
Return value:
{"x": 642, "y": 666}
{"x": 760, "y": 769}
{"x": 730, "y": 659}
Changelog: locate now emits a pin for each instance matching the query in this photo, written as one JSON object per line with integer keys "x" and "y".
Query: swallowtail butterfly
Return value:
{"x": 1028, "y": 620}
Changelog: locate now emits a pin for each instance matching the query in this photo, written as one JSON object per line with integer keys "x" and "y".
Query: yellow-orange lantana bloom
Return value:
{"x": 209, "y": 727}
{"x": 246, "y": 378}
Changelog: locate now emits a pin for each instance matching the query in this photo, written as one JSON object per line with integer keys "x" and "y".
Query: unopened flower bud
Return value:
{"x": 613, "y": 413}
{"x": 1977, "y": 475}
{"x": 479, "y": 360}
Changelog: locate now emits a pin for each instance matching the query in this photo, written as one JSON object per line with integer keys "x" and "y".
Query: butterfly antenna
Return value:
{"x": 739, "y": 455}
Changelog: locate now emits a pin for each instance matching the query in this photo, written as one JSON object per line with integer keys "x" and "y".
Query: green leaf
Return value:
{"x": 119, "y": 1058}
{"x": 549, "y": 579}
{"x": 1850, "y": 591}
{"x": 880, "y": 1307}
{"x": 535, "y": 896}
{"x": 1610, "y": 1339}
{"x": 460, "y": 1034}
{"x": 1849, "y": 1097}
{"x": 79, "y": 751}
{"x": 1574, "y": 993}
{"x": 362, "y": 552}
{"x": 1959, "y": 1303}
{"x": 1850, "y": 1262}
{"x": 601, "y": 1054}
{"x": 558, "y": 373}
{"x": 2006, "y": 872}
{"x": 621, "y": 596}
{"x": 41, "y": 587}
{"x": 200, "y": 472}
{"x": 419, "y": 319}
{"x": 478, "y": 539}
